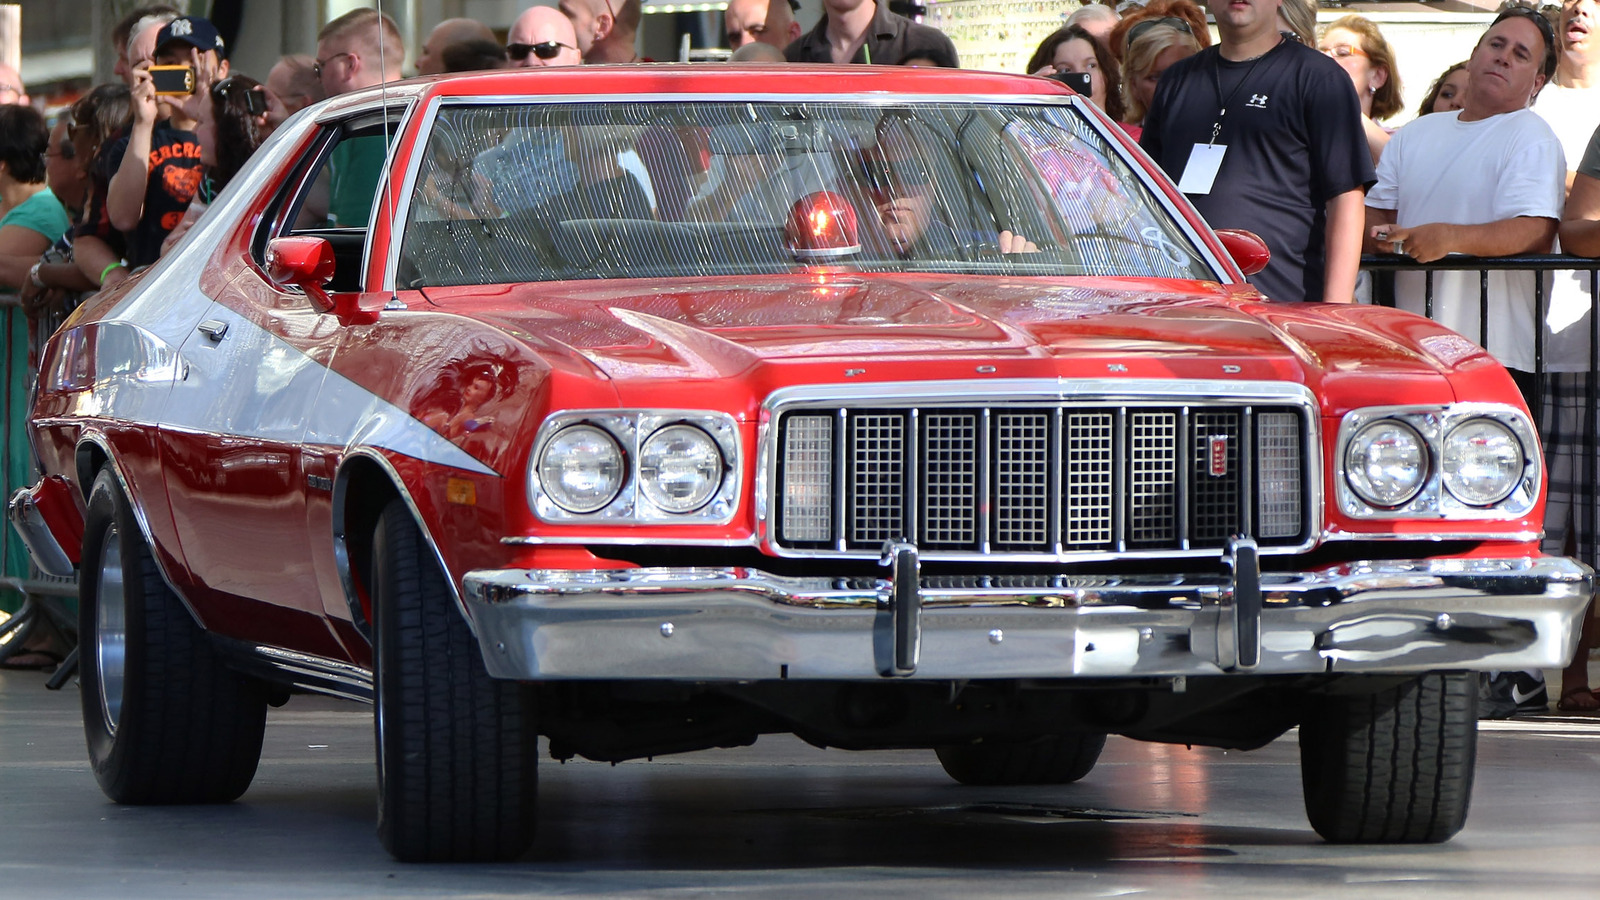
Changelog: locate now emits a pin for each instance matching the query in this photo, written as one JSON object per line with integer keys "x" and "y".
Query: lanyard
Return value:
{"x": 1216, "y": 81}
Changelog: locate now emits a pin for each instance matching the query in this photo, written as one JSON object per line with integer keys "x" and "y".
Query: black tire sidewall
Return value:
{"x": 106, "y": 510}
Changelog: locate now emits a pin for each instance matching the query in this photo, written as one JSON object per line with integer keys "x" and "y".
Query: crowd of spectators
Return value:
{"x": 1279, "y": 128}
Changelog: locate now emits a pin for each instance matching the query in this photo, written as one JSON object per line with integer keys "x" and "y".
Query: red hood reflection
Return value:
{"x": 877, "y": 325}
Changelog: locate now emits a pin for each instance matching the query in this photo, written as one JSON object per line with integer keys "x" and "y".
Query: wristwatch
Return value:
{"x": 33, "y": 275}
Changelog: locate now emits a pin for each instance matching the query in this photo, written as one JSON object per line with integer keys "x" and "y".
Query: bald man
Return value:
{"x": 757, "y": 52}
{"x": 757, "y": 20}
{"x": 540, "y": 31}
{"x": 450, "y": 31}
{"x": 607, "y": 29}
{"x": 292, "y": 85}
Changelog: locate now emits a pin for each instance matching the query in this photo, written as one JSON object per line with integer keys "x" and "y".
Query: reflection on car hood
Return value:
{"x": 877, "y": 326}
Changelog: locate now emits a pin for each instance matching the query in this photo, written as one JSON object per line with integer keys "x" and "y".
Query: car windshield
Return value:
{"x": 548, "y": 192}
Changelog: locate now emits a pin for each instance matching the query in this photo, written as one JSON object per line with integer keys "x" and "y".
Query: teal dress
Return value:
{"x": 42, "y": 213}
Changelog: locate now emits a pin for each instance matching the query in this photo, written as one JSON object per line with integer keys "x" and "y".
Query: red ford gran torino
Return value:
{"x": 654, "y": 409}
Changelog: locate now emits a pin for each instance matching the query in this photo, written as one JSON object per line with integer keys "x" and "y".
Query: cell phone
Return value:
{"x": 1082, "y": 82}
{"x": 172, "y": 80}
{"x": 255, "y": 102}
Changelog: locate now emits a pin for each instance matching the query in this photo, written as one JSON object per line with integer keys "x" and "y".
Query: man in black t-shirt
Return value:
{"x": 158, "y": 167}
{"x": 1262, "y": 133}
{"x": 865, "y": 31}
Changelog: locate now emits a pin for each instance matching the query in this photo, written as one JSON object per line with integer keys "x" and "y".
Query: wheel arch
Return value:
{"x": 93, "y": 454}
{"x": 365, "y": 483}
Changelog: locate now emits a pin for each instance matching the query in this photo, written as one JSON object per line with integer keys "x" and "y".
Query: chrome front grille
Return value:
{"x": 1046, "y": 480}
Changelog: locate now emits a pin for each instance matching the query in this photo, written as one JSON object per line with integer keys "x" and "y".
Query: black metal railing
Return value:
{"x": 1383, "y": 267}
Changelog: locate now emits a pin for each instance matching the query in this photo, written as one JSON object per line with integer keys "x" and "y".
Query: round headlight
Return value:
{"x": 581, "y": 469}
{"x": 1386, "y": 463}
{"x": 1482, "y": 462}
{"x": 680, "y": 467}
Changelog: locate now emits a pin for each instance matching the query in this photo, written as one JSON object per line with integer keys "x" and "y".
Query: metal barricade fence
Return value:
{"x": 16, "y": 452}
{"x": 1383, "y": 269}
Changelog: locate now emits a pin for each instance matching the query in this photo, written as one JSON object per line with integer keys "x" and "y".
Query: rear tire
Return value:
{"x": 1056, "y": 759}
{"x": 1395, "y": 766}
{"x": 166, "y": 721}
{"x": 457, "y": 750}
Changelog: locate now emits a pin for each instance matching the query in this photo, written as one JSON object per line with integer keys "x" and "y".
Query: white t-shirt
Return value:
{"x": 1440, "y": 169}
{"x": 1573, "y": 114}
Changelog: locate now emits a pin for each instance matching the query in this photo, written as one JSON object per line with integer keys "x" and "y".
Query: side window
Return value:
{"x": 332, "y": 193}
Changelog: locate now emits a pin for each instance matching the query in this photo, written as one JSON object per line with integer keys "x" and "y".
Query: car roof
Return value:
{"x": 711, "y": 78}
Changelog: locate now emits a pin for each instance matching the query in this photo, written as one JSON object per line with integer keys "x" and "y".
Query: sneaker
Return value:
{"x": 1502, "y": 695}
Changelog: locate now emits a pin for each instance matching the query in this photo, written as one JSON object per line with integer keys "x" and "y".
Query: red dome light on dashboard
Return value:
{"x": 822, "y": 225}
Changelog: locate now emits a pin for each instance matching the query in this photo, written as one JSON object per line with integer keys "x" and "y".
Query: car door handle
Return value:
{"x": 214, "y": 329}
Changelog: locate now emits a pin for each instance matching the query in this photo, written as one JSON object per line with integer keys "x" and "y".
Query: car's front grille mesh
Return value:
{"x": 1040, "y": 479}
{"x": 877, "y": 476}
{"x": 1022, "y": 480}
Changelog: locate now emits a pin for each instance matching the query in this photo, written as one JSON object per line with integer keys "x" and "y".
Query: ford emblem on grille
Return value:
{"x": 1219, "y": 455}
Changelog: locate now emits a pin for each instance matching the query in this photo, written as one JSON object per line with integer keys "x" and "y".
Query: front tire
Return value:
{"x": 166, "y": 721}
{"x": 457, "y": 750}
{"x": 1055, "y": 759}
{"x": 1395, "y": 766}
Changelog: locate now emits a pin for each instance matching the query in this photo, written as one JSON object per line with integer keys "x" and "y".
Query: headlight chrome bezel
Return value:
{"x": 631, "y": 429}
{"x": 1434, "y": 499}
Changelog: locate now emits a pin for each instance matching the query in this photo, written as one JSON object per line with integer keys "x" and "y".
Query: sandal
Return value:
{"x": 32, "y": 659}
{"x": 1578, "y": 699}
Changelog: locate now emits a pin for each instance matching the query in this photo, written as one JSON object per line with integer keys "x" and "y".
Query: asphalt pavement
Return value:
{"x": 784, "y": 819}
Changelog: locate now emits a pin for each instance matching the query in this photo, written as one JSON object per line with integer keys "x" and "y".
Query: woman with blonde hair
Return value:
{"x": 1150, "y": 51}
{"x": 1301, "y": 17}
{"x": 1357, "y": 45}
{"x": 1167, "y": 12}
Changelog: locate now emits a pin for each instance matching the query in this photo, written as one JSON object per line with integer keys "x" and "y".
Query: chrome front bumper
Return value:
{"x": 744, "y": 624}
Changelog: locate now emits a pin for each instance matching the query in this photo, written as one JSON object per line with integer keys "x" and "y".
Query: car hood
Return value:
{"x": 885, "y": 328}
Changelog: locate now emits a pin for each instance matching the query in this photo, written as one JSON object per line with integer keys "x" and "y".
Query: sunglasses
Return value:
{"x": 885, "y": 178}
{"x": 255, "y": 99}
{"x": 1140, "y": 28}
{"x": 543, "y": 50}
{"x": 1546, "y": 30}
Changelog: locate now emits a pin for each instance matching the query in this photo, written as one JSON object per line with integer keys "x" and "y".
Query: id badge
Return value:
{"x": 1201, "y": 172}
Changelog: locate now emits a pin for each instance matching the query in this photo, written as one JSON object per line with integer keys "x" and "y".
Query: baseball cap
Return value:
{"x": 196, "y": 31}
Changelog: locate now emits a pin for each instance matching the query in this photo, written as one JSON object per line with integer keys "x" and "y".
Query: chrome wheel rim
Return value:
{"x": 110, "y": 630}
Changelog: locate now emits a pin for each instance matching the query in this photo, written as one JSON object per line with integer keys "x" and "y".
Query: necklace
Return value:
{"x": 1262, "y": 53}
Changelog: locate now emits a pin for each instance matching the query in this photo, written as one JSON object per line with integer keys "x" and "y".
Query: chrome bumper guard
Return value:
{"x": 741, "y": 624}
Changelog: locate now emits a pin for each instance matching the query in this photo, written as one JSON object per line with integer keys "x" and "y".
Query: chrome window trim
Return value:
{"x": 1197, "y": 244}
{"x": 403, "y": 125}
{"x": 408, "y": 186}
{"x": 1043, "y": 392}
{"x": 1434, "y": 501}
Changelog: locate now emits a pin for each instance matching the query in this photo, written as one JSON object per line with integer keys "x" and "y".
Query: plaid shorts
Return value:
{"x": 1572, "y": 458}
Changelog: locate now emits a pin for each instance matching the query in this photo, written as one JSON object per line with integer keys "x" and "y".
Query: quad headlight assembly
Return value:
{"x": 641, "y": 466}
{"x": 1468, "y": 460}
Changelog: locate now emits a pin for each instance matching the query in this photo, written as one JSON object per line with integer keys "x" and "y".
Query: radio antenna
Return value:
{"x": 385, "y": 183}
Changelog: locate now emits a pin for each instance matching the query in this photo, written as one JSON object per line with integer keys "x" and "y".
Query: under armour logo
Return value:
{"x": 182, "y": 28}
{"x": 1258, "y": 101}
